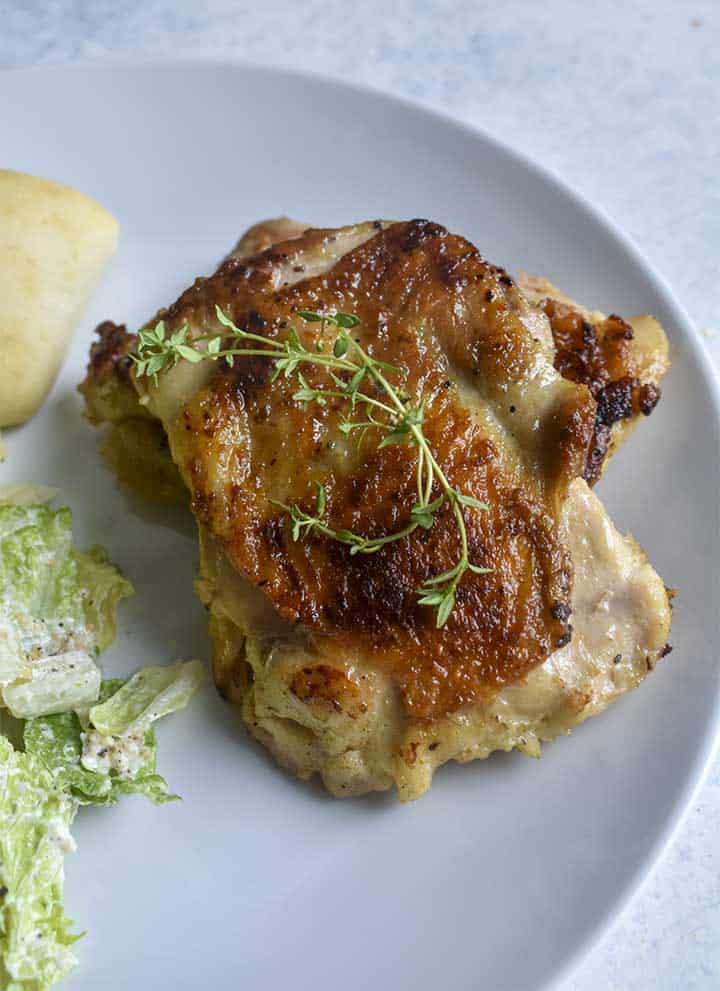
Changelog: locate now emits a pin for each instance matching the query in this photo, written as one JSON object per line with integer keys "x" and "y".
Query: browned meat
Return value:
{"x": 338, "y": 668}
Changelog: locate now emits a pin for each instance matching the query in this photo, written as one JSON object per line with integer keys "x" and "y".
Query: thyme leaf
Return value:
{"x": 350, "y": 368}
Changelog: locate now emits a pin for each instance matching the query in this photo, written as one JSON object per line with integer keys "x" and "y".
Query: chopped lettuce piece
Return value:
{"x": 103, "y": 587}
{"x": 57, "y": 742}
{"x": 152, "y": 692}
{"x": 56, "y": 684}
{"x": 35, "y": 817}
{"x": 26, "y": 494}
{"x": 98, "y": 767}
{"x": 14, "y": 665}
{"x": 54, "y": 601}
{"x": 60, "y": 744}
{"x": 57, "y": 612}
{"x": 38, "y": 576}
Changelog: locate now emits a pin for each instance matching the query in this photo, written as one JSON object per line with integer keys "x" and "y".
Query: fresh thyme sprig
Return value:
{"x": 398, "y": 418}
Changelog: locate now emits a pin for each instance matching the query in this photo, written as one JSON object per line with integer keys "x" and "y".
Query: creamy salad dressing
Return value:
{"x": 59, "y": 835}
{"x": 30, "y": 873}
{"x": 33, "y": 649}
{"x": 123, "y": 755}
{"x": 57, "y": 611}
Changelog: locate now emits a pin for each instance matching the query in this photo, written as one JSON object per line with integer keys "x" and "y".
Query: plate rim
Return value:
{"x": 709, "y": 743}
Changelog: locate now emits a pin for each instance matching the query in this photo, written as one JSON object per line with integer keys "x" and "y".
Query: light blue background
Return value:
{"x": 622, "y": 99}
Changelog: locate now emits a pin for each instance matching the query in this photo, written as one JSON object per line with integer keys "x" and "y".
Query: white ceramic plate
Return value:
{"x": 500, "y": 876}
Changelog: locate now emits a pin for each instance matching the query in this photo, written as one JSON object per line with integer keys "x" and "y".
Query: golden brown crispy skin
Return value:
{"x": 433, "y": 307}
{"x": 135, "y": 445}
{"x": 599, "y": 356}
{"x": 108, "y": 390}
{"x": 621, "y": 361}
{"x": 336, "y": 668}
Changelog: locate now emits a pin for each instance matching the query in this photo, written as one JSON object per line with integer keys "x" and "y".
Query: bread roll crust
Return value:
{"x": 54, "y": 244}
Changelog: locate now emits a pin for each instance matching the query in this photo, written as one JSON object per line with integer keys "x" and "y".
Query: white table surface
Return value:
{"x": 622, "y": 99}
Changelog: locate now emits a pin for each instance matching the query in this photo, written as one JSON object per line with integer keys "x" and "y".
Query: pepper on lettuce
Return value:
{"x": 86, "y": 741}
{"x": 68, "y": 762}
{"x": 57, "y": 612}
{"x": 97, "y": 761}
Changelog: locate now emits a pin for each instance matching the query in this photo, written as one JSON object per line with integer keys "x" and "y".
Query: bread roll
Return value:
{"x": 54, "y": 244}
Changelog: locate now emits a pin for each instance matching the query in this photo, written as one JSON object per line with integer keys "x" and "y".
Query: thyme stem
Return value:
{"x": 403, "y": 423}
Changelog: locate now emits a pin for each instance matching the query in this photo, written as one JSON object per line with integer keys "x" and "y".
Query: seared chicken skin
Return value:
{"x": 622, "y": 361}
{"x": 338, "y": 668}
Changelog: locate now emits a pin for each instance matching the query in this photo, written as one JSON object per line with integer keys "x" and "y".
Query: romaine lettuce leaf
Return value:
{"x": 57, "y": 742}
{"x": 152, "y": 692}
{"x": 14, "y": 664}
{"x": 56, "y": 684}
{"x": 38, "y": 574}
{"x": 57, "y": 612}
{"x": 103, "y": 587}
{"x": 26, "y": 494}
{"x": 97, "y": 767}
{"x": 35, "y": 936}
{"x": 53, "y": 601}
